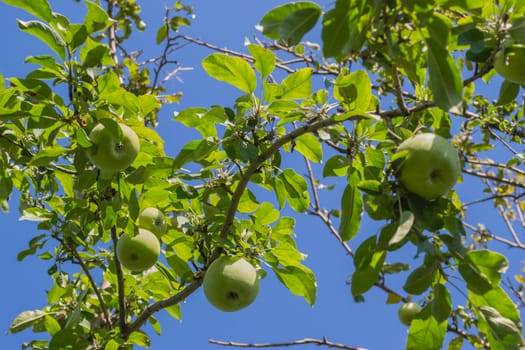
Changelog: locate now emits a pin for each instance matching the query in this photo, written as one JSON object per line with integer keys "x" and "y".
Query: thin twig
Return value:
{"x": 245, "y": 57}
{"x": 485, "y": 175}
{"x": 72, "y": 248}
{"x": 319, "y": 342}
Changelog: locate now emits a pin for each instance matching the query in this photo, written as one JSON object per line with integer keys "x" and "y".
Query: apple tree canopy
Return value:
{"x": 325, "y": 92}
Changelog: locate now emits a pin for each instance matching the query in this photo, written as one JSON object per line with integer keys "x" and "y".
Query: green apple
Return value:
{"x": 431, "y": 166}
{"x": 153, "y": 219}
{"x": 407, "y": 312}
{"x": 231, "y": 283}
{"x": 110, "y": 153}
{"x": 509, "y": 62}
{"x": 140, "y": 252}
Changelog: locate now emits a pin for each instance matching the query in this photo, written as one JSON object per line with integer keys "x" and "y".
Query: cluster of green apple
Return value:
{"x": 111, "y": 152}
{"x": 430, "y": 167}
{"x": 141, "y": 251}
{"x": 230, "y": 283}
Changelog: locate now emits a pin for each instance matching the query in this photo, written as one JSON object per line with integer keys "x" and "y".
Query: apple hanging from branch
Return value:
{"x": 430, "y": 167}
{"x": 139, "y": 252}
{"x": 113, "y": 150}
{"x": 408, "y": 311}
{"x": 154, "y": 220}
{"x": 231, "y": 283}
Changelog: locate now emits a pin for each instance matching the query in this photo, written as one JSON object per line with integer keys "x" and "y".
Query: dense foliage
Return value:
{"x": 382, "y": 71}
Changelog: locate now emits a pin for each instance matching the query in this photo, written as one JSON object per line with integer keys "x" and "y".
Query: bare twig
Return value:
{"x": 245, "y": 57}
{"x": 112, "y": 37}
{"x": 319, "y": 342}
{"x": 72, "y": 248}
{"x": 485, "y": 175}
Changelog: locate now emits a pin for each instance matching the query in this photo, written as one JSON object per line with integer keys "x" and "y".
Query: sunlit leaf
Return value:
{"x": 47, "y": 34}
{"x": 96, "y": 19}
{"x": 297, "y": 85}
{"x": 299, "y": 281}
{"x": 296, "y": 190}
{"x": 310, "y": 147}
{"x": 264, "y": 59}
{"x": 26, "y": 319}
{"x": 38, "y": 8}
{"x": 232, "y": 70}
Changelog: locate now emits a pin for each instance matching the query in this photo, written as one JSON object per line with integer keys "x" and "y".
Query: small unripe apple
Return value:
{"x": 110, "y": 153}
{"x": 408, "y": 311}
{"x": 231, "y": 283}
{"x": 431, "y": 166}
{"x": 154, "y": 220}
{"x": 140, "y": 252}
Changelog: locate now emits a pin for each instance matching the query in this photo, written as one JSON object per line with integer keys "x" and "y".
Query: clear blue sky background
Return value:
{"x": 276, "y": 316}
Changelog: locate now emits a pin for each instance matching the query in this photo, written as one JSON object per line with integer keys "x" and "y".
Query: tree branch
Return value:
{"x": 485, "y": 175}
{"x": 120, "y": 287}
{"x": 162, "y": 304}
{"x": 252, "y": 168}
{"x": 319, "y": 342}
{"x": 72, "y": 248}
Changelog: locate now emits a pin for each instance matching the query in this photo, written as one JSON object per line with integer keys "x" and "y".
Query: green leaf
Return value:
{"x": 266, "y": 214}
{"x": 503, "y": 330}
{"x": 299, "y": 281}
{"x": 26, "y": 319}
{"x": 310, "y": 147}
{"x": 296, "y": 190}
{"x": 406, "y": 220}
{"x": 274, "y": 20}
{"x": 490, "y": 264}
{"x": 354, "y": 90}
{"x": 94, "y": 54}
{"x": 508, "y": 91}
{"x": 96, "y": 19}
{"x": 264, "y": 59}
{"x": 45, "y": 33}
{"x": 445, "y": 77}
{"x": 336, "y": 166}
{"x": 248, "y": 202}
{"x": 344, "y": 27}
{"x": 232, "y": 70}
{"x": 477, "y": 282}
{"x": 297, "y": 85}
{"x": 368, "y": 262}
{"x": 351, "y": 209}
{"x": 51, "y": 325}
{"x": 47, "y": 155}
{"x": 428, "y": 329}
{"x": 298, "y": 23}
{"x": 194, "y": 151}
{"x": 419, "y": 280}
{"x": 202, "y": 119}
{"x": 38, "y": 8}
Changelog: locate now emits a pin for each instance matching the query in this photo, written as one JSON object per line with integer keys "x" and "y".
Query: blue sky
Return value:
{"x": 276, "y": 315}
